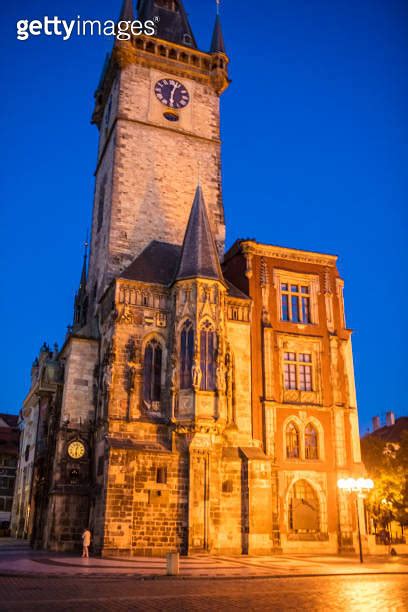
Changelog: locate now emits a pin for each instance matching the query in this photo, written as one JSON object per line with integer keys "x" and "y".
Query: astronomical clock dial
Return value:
{"x": 172, "y": 93}
{"x": 76, "y": 449}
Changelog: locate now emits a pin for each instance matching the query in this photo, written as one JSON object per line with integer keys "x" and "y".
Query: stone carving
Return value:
{"x": 126, "y": 316}
{"x": 196, "y": 373}
{"x": 265, "y": 292}
{"x": 221, "y": 377}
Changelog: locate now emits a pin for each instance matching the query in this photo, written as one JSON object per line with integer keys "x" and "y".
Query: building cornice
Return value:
{"x": 249, "y": 247}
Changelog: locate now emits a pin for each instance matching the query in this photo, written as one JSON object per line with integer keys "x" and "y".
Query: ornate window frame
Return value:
{"x": 207, "y": 361}
{"x": 155, "y": 407}
{"x": 301, "y": 423}
{"x": 290, "y": 278}
{"x": 301, "y": 344}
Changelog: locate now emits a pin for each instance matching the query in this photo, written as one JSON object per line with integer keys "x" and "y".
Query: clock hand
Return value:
{"x": 172, "y": 94}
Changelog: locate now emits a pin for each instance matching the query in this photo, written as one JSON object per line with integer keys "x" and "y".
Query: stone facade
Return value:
{"x": 190, "y": 410}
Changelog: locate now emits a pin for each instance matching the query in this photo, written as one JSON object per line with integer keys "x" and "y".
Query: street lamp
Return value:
{"x": 358, "y": 486}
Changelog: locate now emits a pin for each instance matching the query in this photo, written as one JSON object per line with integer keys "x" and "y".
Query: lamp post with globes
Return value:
{"x": 359, "y": 486}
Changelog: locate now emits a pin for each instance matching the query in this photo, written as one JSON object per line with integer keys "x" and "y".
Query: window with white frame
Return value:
{"x": 295, "y": 303}
{"x": 297, "y": 369}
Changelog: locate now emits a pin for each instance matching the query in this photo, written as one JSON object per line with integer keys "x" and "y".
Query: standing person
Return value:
{"x": 86, "y": 540}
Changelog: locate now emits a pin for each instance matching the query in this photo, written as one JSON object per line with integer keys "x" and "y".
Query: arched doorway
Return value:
{"x": 304, "y": 516}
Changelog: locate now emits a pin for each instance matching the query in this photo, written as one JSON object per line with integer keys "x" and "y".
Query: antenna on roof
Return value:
{"x": 218, "y": 2}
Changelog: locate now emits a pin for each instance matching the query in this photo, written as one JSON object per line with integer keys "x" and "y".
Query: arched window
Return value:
{"x": 292, "y": 441}
{"x": 186, "y": 355}
{"x": 207, "y": 357}
{"x": 152, "y": 366}
{"x": 303, "y": 508}
{"x": 311, "y": 440}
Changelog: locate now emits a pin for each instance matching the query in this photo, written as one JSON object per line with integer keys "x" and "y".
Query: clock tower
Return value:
{"x": 157, "y": 111}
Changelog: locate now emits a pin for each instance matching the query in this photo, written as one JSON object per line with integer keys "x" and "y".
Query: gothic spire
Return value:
{"x": 81, "y": 300}
{"x": 217, "y": 41}
{"x": 199, "y": 257}
{"x": 172, "y": 25}
{"x": 127, "y": 13}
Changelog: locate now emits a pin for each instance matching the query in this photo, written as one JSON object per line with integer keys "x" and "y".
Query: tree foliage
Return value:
{"x": 387, "y": 465}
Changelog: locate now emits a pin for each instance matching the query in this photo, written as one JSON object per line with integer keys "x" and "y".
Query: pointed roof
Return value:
{"x": 127, "y": 13}
{"x": 217, "y": 41}
{"x": 199, "y": 257}
{"x": 82, "y": 282}
{"x": 173, "y": 24}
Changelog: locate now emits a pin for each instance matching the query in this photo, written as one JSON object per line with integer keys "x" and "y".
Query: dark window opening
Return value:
{"x": 186, "y": 355}
{"x": 101, "y": 204}
{"x": 161, "y": 475}
{"x": 152, "y": 367}
{"x": 207, "y": 357}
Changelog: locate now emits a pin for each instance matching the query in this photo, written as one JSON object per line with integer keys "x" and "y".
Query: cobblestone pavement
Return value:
{"x": 17, "y": 558}
{"x": 120, "y": 594}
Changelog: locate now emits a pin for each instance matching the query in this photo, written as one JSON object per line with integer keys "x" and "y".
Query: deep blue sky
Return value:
{"x": 315, "y": 156}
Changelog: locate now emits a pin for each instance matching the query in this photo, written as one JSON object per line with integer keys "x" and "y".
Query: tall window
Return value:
{"x": 207, "y": 357}
{"x": 186, "y": 355}
{"x": 295, "y": 303}
{"x": 297, "y": 369}
{"x": 152, "y": 366}
{"x": 311, "y": 449}
{"x": 303, "y": 508}
{"x": 292, "y": 441}
{"x": 101, "y": 204}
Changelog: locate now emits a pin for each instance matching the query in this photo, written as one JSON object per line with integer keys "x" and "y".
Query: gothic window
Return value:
{"x": 311, "y": 440}
{"x": 295, "y": 303}
{"x": 207, "y": 357}
{"x": 297, "y": 369}
{"x": 292, "y": 441}
{"x": 303, "y": 508}
{"x": 101, "y": 204}
{"x": 186, "y": 355}
{"x": 152, "y": 366}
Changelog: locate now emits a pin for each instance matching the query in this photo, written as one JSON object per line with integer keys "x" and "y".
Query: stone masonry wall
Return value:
{"x": 156, "y": 167}
{"x": 144, "y": 516}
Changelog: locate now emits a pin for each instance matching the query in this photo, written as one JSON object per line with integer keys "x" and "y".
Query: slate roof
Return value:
{"x": 156, "y": 264}
{"x": 217, "y": 41}
{"x": 172, "y": 25}
{"x": 199, "y": 256}
{"x": 162, "y": 262}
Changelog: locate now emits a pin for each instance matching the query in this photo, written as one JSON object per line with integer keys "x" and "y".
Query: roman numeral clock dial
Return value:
{"x": 172, "y": 93}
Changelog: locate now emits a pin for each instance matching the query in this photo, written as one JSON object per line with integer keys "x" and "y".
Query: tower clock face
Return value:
{"x": 172, "y": 93}
{"x": 76, "y": 449}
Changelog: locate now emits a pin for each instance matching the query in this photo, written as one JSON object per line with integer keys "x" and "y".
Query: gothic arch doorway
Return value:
{"x": 304, "y": 511}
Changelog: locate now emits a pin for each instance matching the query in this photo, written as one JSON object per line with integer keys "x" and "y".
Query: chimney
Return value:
{"x": 376, "y": 423}
{"x": 390, "y": 419}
